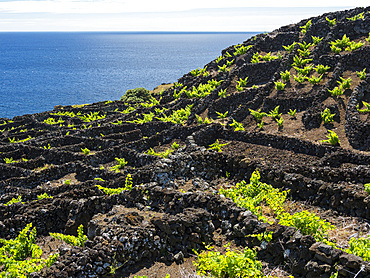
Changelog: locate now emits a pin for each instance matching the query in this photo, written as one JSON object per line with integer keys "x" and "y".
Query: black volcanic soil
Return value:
{"x": 174, "y": 207}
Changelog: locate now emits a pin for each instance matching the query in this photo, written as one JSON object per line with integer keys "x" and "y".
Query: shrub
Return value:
{"x": 178, "y": 116}
{"x": 118, "y": 190}
{"x": 354, "y": 45}
{"x": 280, "y": 86}
{"x": 345, "y": 84}
{"x": 165, "y": 153}
{"x": 321, "y": 69}
{"x": 237, "y": 126}
{"x": 360, "y": 247}
{"x": 337, "y": 91}
{"x": 255, "y": 193}
{"x": 73, "y": 240}
{"x": 335, "y": 49}
{"x": 14, "y": 200}
{"x": 356, "y": 17}
{"x": 341, "y": 43}
{"x": 93, "y": 116}
{"x": 222, "y": 68}
{"x": 285, "y": 76}
{"x": 367, "y": 187}
{"x": 275, "y": 113}
{"x": 362, "y": 74}
{"x": 331, "y": 21}
{"x": 304, "y": 71}
{"x": 222, "y": 115}
{"x": 304, "y": 53}
{"x": 299, "y": 78}
{"x": 308, "y": 223}
{"x": 14, "y": 254}
{"x": 201, "y": 121}
{"x": 51, "y": 121}
{"x": 289, "y": 48}
{"x": 366, "y": 109}
{"x": 314, "y": 80}
{"x": 217, "y": 146}
{"x": 306, "y": 27}
{"x": 86, "y": 151}
{"x": 136, "y": 95}
{"x": 121, "y": 164}
{"x": 231, "y": 264}
{"x": 198, "y": 72}
{"x": 326, "y": 116}
{"x": 292, "y": 112}
{"x": 316, "y": 40}
{"x": 44, "y": 196}
{"x": 279, "y": 122}
{"x": 241, "y": 49}
{"x": 146, "y": 119}
{"x": 222, "y": 93}
{"x": 9, "y": 160}
{"x": 300, "y": 62}
{"x": 258, "y": 114}
{"x": 332, "y": 138}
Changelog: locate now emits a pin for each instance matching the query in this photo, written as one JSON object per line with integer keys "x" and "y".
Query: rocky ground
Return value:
{"x": 174, "y": 206}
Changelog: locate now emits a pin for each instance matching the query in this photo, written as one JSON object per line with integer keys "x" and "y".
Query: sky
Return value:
{"x": 161, "y": 15}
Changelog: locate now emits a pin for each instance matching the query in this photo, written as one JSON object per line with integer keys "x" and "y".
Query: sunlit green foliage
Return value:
{"x": 308, "y": 223}
{"x": 332, "y": 138}
{"x": 285, "y": 76}
{"x": 20, "y": 257}
{"x": 356, "y": 17}
{"x": 314, "y": 80}
{"x": 86, "y": 151}
{"x": 178, "y": 116}
{"x": 299, "y": 78}
{"x": 306, "y": 27}
{"x": 321, "y": 69}
{"x": 44, "y": 196}
{"x": 198, "y": 72}
{"x": 241, "y": 49}
{"x": 289, "y": 48}
{"x": 147, "y": 117}
{"x": 203, "y": 90}
{"x": 280, "y": 86}
{"x": 205, "y": 121}
{"x": 332, "y": 22}
{"x": 354, "y": 45}
{"x": 217, "y": 146}
{"x": 118, "y": 190}
{"x": 275, "y": 113}
{"x": 364, "y": 110}
{"x": 14, "y": 200}
{"x": 237, "y": 126}
{"x": 121, "y": 164}
{"x": 362, "y": 74}
{"x": 360, "y": 247}
{"x": 258, "y": 115}
{"x": 231, "y": 264}
{"x": 165, "y": 153}
{"x": 52, "y": 121}
{"x": 300, "y": 62}
{"x": 254, "y": 194}
{"x": 316, "y": 40}
{"x": 326, "y": 116}
{"x": 292, "y": 112}
{"x": 78, "y": 240}
{"x": 93, "y": 116}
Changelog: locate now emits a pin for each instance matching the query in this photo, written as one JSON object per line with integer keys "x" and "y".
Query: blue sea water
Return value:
{"x": 41, "y": 70}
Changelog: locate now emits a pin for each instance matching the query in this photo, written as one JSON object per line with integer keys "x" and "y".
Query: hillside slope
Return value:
{"x": 168, "y": 202}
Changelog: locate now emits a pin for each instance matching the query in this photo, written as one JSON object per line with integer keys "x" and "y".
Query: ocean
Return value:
{"x": 41, "y": 70}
